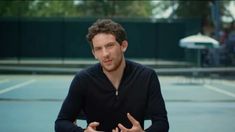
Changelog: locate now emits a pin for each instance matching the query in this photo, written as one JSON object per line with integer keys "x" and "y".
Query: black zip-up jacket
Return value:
{"x": 91, "y": 92}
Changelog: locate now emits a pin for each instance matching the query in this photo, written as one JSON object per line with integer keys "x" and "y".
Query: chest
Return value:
{"x": 104, "y": 96}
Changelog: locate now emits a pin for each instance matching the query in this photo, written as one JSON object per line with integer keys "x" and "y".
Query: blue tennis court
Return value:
{"x": 32, "y": 102}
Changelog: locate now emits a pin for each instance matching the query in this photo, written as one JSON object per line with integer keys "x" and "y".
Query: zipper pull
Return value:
{"x": 116, "y": 93}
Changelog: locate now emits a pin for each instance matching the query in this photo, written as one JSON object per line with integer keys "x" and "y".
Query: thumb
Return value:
{"x": 93, "y": 125}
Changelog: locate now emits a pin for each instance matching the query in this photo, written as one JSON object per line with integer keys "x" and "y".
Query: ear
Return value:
{"x": 93, "y": 52}
{"x": 124, "y": 45}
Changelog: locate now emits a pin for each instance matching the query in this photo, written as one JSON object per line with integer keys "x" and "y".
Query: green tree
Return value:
{"x": 187, "y": 9}
{"x": 199, "y": 9}
{"x": 14, "y": 7}
{"x": 71, "y": 8}
{"x": 51, "y": 8}
{"x": 108, "y": 8}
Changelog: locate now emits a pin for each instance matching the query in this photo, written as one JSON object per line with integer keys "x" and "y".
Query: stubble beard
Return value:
{"x": 115, "y": 67}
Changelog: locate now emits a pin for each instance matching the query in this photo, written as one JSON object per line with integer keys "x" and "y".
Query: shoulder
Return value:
{"x": 83, "y": 77}
{"x": 142, "y": 74}
{"x": 137, "y": 67}
{"x": 89, "y": 72}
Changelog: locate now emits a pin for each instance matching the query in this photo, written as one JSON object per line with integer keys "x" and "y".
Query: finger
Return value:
{"x": 115, "y": 130}
{"x": 132, "y": 119}
{"x": 94, "y": 125}
{"x": 122, "y": 127}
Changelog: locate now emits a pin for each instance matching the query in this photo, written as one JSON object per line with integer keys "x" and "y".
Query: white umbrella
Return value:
{"x": 198, "y": 41}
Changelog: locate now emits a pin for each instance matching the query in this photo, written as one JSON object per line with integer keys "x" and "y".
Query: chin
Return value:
{"x": 109, "y": 68}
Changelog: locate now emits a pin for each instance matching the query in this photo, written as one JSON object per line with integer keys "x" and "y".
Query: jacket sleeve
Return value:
{"x": 71, "y": 107}
{"x": 156, "y": 107}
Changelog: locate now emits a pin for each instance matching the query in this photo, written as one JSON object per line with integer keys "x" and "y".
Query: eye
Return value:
{"x": 110, "y": 45}
{"x": 96, "y": 49}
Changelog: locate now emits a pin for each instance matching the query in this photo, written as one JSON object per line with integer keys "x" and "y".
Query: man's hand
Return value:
{"x": 135, "y": 125}
{"x": 115, "y": 130}
{"x": 92, "y": 127}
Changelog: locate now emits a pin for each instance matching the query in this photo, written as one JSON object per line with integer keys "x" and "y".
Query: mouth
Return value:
{"x": 107, "y": 61}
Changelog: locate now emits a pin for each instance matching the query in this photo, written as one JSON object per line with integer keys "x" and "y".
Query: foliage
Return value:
{"x": 70, "y": 8}
{"x": 195, "y": 8}
{"x": 14, "y": 7}
{"x": 109, "y": 8}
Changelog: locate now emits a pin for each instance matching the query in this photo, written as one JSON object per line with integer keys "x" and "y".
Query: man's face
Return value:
{"x": 108, "y": 51}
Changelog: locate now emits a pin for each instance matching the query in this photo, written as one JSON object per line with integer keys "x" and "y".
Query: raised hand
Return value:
{"x": 136, "y": 127}
{"x": 115, "y": 130}
{"x": 92, "y": 127}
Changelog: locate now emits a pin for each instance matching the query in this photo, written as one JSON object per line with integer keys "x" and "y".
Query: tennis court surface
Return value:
{"x": 30, "y": 103}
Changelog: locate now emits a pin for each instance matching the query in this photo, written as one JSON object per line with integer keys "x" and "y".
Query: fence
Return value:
{"x": 61, "y": 38}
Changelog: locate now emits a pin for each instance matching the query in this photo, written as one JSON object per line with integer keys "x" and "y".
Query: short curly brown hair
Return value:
{"x": 106, "y": 26}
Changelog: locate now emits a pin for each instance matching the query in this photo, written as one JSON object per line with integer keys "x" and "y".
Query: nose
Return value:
{"x": 105, "y": 52}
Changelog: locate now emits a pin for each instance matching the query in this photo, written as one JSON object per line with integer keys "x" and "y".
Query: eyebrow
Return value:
{"x": 107, "y": 44}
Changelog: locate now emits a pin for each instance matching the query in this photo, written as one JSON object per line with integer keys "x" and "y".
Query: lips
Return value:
{"x": 107, "y": 61}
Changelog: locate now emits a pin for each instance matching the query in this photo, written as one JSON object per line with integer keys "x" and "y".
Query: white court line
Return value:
{"x": 220, "y": 90}
{"x": 4, "y": 81}
{"x": 17, "y": 86}
{"x": 230, "y": 84}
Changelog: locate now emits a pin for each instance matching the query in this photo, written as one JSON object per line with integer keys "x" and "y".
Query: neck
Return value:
{"x": 116, "y": 75}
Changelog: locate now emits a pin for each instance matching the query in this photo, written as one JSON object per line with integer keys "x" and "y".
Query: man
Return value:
{"x": 115, "y": 94}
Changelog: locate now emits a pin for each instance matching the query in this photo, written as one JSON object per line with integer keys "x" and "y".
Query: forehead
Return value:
{"x": 102, "y": 39}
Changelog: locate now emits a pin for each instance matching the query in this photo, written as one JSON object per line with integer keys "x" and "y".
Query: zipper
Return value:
{"x": 116, "y": 93}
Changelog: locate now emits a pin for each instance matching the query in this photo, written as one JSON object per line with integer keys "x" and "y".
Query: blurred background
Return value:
{"x": 54, "y": 30}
